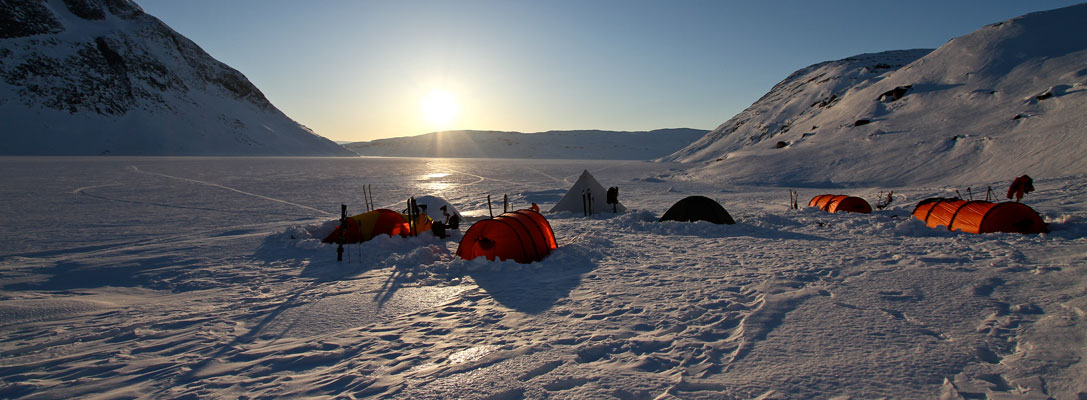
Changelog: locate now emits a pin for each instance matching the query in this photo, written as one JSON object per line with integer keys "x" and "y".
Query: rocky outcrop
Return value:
{"x": 20, "y": 18}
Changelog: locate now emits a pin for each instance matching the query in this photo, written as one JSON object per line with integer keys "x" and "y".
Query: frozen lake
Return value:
{"x": 58, "y": 204}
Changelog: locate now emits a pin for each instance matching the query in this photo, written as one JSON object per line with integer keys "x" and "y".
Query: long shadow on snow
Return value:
{"x": 155, "y": 273}
{"x": 197, "y": 369}
{"x": 740, "y": 229}
{"x": 533, "y": 289}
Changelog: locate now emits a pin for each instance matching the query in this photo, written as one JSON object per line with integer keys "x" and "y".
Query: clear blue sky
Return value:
{"x": 358, "y": 70}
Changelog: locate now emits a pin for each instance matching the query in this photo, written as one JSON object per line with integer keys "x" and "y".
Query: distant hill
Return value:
{"x": 90, "y": 77}
{"x": 1008, "y": 99}
{"x": 591, "y": 144}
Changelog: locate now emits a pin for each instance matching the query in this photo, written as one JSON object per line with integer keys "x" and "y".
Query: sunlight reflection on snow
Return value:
{"x": 471, "y": 354}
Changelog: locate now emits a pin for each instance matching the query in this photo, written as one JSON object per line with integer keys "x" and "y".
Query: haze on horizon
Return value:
{"x": 357, "y": 71}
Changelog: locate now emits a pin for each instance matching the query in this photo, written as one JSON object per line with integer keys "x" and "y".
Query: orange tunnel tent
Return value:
{"x": 523, "y": 236}
{"x": 979, "y": 216}
{"x": 834, "y": 203}
{"x": 365, "y": 226}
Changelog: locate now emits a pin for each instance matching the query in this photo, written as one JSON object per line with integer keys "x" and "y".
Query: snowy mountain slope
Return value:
{"x": 88, "y": 77}
{"x": 805, "y": 93}
{"x": 1008, "y": 99}
{"x": 591, "y": 144}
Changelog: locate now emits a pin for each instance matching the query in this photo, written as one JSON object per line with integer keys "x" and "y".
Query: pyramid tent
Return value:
{"x": 574, "y": 200}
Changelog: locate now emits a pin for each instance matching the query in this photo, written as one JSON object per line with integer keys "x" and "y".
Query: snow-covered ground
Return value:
{"x": 198, "y": 278}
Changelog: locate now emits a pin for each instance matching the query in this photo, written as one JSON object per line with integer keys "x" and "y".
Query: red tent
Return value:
{"x": 365, "y": 226}
{"x": 834, "y": 203}
{"x": 979, "y": 216}
{"x": 523, "y": 236}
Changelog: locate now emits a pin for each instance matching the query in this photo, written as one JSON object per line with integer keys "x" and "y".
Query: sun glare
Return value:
{"x": 439, "y": 108}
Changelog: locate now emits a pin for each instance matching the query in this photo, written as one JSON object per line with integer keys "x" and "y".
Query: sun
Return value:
{"x": 439, "y": 108}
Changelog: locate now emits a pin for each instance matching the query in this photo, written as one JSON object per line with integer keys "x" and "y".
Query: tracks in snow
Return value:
{"x": 216, "y": 185}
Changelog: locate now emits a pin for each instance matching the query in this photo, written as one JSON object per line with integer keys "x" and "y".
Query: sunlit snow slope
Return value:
{"x": 89, "y": 77}
{"x": 1008, "y": 99}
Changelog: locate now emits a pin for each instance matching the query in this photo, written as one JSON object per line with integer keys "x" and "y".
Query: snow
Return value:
{"x": 1004, "y": 100}
{"x": 205, "y": 277}
{"x": 200, "y": 277}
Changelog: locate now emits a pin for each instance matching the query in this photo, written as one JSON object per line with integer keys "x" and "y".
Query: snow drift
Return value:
{"x": 1005, "y": 100}
{"x": 90, "y": 77}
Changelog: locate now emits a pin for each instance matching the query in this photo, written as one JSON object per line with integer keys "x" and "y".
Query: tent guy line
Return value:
{"x": 136, "y": 169}
{"x": 548, "y": 176}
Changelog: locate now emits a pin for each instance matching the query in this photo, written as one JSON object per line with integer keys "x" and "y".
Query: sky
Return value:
{"x": 356, "y": 70}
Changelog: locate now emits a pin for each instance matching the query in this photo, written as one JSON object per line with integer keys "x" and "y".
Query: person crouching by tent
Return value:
{"x": 1020, "y": 186}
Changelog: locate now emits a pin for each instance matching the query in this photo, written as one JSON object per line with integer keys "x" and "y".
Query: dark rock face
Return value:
{"x": 895, "y": 94}
{"x": 21, "y": 18}
{"x": 218, "y": 73}
{"x": 86, "y": 9}
{"x": 125, "y": 9}
{"x": 108, "y": 83}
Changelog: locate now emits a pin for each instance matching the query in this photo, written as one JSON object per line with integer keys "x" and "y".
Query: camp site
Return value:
{"x": 613, "y": 289}
{"x": 543, "y": 200}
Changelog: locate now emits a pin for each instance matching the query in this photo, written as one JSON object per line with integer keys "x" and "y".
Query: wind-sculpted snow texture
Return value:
{"x": 585, "y": 145}
{"x": 1007, "y": 99}
{"x": 90, "y": 77}
{"x": 181, "y": 278}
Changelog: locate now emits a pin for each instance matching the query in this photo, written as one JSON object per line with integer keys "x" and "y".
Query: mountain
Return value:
{"x": 1007, "y": 99}
{"x": 90, "y": 77}
{"x": 591, "y": 144}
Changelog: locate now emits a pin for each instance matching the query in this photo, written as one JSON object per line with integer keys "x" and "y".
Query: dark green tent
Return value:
{"x": 698, "y": 208}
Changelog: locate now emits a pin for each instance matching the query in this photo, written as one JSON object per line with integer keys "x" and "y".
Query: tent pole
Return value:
{"x": 343, "y": 227}
{"x": 489, "y": 210}
{"x": 505, "y": 203}
{"x": 407, "y": 210}
{"x": 369, "y": 204}
{"x": 590, "y": 191}
{"x": 414, "y": 217}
